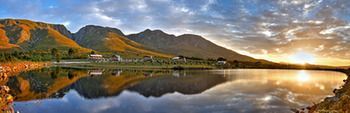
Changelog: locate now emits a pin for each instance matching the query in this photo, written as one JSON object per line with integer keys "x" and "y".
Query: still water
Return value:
{"x": 66, "y": 90}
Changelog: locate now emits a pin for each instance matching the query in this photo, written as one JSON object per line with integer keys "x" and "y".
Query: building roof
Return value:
{"x": 95, "y": 55}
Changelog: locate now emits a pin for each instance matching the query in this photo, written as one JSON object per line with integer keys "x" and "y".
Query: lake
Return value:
{"x": 68, "y": 90}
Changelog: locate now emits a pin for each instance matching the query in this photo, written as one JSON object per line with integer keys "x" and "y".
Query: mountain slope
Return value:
{"x": 107, "y": 39}
{"x": 30, "y": 35}
{"x": 187, "y": 45}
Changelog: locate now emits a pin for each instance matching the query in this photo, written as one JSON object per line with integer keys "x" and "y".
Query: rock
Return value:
{"x": 9, "y": 98}
{"x": 332, "y": 99}
{"x": 5, "y": 89}
{"x": 3, "y": 76}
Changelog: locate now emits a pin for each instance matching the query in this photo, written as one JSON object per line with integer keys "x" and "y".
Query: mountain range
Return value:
{"x": 26, "y": 35}
{"x": 186, "y": 45}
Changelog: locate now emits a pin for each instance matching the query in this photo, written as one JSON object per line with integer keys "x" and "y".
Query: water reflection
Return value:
{"x": 303, "y": 76}
{"x": 108, "y": 91}
{"x": 95, "y": 72}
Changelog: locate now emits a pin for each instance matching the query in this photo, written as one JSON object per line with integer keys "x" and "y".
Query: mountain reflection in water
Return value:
{"x": 68, "y": 90}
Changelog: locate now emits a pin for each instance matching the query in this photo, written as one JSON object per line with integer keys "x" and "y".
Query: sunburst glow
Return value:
{"x": 302, "y": 58}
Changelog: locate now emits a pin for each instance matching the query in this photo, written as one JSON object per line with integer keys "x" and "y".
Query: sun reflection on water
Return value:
{"x": 267, "y": 98}
{"x": 303, "y": 76}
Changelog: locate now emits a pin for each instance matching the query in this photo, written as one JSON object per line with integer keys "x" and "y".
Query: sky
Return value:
{"x": 296, "y": 31}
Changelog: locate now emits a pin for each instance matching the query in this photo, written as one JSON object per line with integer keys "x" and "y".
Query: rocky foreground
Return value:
{"x": 14, "y": 68}
{"x": 11, "y": 69}
{"x": 340, "y": 103}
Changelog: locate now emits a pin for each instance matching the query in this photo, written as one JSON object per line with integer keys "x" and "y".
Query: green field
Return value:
{"x": 157, "y": 64}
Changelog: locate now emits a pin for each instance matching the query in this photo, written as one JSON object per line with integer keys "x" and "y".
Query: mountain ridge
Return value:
{"x": 190, "y": 45}
{"x": 32, "y": 35}
{"x": 107, "y": 39}
{"x": 24, "y": 34}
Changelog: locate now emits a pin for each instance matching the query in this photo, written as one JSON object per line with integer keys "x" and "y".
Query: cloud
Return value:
{"x": 207, "y": 5}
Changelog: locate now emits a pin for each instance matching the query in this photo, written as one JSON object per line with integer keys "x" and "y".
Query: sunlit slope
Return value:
{"x": 107, "y": 39}
{"x": 30, "y": 35}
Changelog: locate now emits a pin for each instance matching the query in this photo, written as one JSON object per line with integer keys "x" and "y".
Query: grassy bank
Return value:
{"x": 145, "y": 65}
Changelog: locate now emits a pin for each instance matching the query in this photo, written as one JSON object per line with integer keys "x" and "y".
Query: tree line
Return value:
{"x": 52, "y": 54}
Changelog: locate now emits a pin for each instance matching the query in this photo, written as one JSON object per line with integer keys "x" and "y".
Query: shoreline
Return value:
{"x": 12, "y": 69}
{"x": 135, "y": 66}
{"x": 339, "y": 103}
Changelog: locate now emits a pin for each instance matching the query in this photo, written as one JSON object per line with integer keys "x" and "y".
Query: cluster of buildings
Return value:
{"x": 100, "y": 58}
{"x": 118, "y": 58}
{"x": 101, "y": 72}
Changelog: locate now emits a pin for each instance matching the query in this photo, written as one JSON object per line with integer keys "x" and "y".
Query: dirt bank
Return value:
{"x": 14, "y": 68}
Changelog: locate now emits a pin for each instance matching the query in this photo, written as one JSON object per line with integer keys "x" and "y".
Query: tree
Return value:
{"x": 54, "y": 51}
{"x": 92, "y": 52}
{"x": 55, "y": 73}
{"x": 70, "y": 75}
{"x": 236, "y": 63}
{"x": 2, "y": 57}
{"x": 55, "y": 54}
{"x": 58, "y": 57}
{"x": 71, "y": 52}
{"x": 221, "y": 59}
{"x": 15, "y": 54}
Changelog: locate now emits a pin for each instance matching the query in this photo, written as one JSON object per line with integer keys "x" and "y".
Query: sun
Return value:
{"x": 302, "y": 58}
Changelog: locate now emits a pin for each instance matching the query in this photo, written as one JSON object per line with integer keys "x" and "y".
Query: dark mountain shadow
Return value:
{"x": 56, "y": 82}
{"x": 110, "y": 83}
{"x": 145, "y": 83}
{"x": 190, "y": 83}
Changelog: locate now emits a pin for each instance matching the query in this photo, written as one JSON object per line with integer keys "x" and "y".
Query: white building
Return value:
{"x": 221, "y": 62}
{"x": 95, "y": 57}
{"x": 179, "y": 58}
{"x": 117, "y": 58}
{"x": 148, "y": 58}
{"x": 95, "y": 72}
